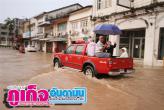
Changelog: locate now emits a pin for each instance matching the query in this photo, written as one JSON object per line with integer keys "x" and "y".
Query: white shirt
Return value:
{"x": 91, "y": 49}
{"x": 99, "y": 46}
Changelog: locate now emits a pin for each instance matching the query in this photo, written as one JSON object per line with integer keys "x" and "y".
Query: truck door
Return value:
{"x": 67, "y": 59}
{"x": 77, "y": 58}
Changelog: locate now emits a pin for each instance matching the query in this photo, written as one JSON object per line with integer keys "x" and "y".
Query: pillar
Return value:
{"x": 149, "y": 42}
{"x": 115, "y": 39}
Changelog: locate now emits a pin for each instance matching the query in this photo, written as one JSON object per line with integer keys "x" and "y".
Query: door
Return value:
{"x": 77, "y": 58}
{"x": 138, "y": 47}
{"x": 41, "y": 46}
{"x": 67, "y": 58}
{"x": 49, "y": 46}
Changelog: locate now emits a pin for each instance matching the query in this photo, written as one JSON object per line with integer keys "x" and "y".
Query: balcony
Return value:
{"x": 44, "y": 23}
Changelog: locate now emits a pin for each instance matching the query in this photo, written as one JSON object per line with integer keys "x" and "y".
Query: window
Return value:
{"x": 161, "y": 45}
{"x": 62, "y": 27}
{"x": 3, "y": 27}
{"x": 79, "y": 50}
{"x": 107, "y": 3}
{"x": 70, "y": 49}
{"x": 84, "y": 23}
{"x": 4, "y": 33}
{"x": 99, "y": 4}
{"x": 74, "y": 25}
{"x": 40, "y": 30}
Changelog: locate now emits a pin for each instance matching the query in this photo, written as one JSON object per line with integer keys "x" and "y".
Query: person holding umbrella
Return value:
{"x": 100, "y": 48}
{"x": 110, "y": 47}
{"x": 105, "y": 29}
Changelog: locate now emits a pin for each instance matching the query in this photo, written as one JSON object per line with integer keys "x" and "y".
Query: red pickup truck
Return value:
{"x": 75, "y": 57}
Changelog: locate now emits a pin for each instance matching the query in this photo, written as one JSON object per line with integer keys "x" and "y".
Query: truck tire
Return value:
{"x": 89, "y": 71}
{"x": 56, "y": 64}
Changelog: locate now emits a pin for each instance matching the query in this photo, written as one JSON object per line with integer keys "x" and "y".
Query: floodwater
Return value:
{"x": 143, "y": 90}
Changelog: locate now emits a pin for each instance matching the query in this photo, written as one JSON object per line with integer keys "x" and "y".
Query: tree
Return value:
{"x": 9, "y": 23}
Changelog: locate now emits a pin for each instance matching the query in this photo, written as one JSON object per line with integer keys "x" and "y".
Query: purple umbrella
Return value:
{"x": 107, "y": 29}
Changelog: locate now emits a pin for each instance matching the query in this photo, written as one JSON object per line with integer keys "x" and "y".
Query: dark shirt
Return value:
{"x": 111, "y": 48}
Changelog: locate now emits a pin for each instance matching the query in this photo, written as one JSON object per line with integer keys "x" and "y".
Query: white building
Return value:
{"x": 79, "y": 23}
{"x": 142, "y": 27}
{"x": 5, "y": 38}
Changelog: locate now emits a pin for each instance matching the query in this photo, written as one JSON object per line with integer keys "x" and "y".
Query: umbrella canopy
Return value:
{"x": 107, "y": 29}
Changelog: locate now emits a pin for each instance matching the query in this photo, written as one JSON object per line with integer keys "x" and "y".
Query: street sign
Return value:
{"x": 125, "y": 3}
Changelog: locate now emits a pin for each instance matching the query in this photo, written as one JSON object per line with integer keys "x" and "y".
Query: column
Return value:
{"x": 115, "y": 39}
{"x": 149, "y": 43}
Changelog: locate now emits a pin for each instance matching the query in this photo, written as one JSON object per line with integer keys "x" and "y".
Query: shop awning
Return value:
{"x": 58, "y": 39}
{"x": 45, "y": 39}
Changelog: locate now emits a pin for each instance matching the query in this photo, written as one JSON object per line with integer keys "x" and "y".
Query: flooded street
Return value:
{"x": 16, "y": 66}
{"x": 143, "y": 90}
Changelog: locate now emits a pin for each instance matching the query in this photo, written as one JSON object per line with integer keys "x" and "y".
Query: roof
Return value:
{"x": 65, "y": 7}
{"x": 57, "y": 18}
{"x": 40, "y": 15}
{"x": 83, "y": 8}
{"x": 43, "y": 13}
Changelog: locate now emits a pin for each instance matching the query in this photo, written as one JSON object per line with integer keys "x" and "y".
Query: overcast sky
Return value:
{"x": 29, "y": 8}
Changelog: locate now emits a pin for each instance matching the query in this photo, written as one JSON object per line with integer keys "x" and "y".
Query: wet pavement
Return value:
{"x": 143, "y": 90}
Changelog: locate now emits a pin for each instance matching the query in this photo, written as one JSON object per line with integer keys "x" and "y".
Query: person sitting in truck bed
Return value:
{"x": 100, "y": 48}
{"x": 124, "y": 53}
{"x": 110, "y": 47}
{"x": 91, "y": 47}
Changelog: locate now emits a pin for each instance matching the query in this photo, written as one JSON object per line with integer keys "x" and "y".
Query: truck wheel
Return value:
{"x": 89, "y": 71}
{"x": 56, "y": 64}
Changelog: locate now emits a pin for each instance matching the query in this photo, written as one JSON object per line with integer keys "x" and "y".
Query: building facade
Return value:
{"x": 80, "y": 24}
{"x": 39, "y": 32}
{"x": 5, "y": 38}
{"x": 48, "y": 30}
{"x": 26, "y": 32}
{"x": 141, "y": 25}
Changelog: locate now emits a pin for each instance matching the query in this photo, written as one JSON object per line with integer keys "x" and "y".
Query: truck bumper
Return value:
{"x": 121, "y": 71}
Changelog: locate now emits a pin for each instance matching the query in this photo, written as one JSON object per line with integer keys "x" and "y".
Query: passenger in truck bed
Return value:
{"x": 91, "y": 47}
{"x": 100, "y": 48}
{"x": 110, "y": 47}
{"x": 124, "y": 53}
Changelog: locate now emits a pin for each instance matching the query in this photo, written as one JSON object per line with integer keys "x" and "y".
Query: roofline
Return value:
{"x": 65, "y": 16}
{"x": 65, "y": 7}
{"x": 41, "y": 14}
{"x": 89, "y": 6}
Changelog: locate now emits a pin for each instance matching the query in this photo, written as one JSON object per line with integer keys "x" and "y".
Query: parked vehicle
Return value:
{"x": 75, "y": 57}
{"x": 31, "y": 48}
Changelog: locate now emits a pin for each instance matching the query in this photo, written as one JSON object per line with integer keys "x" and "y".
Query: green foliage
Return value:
{"x": 9, "y": 23}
